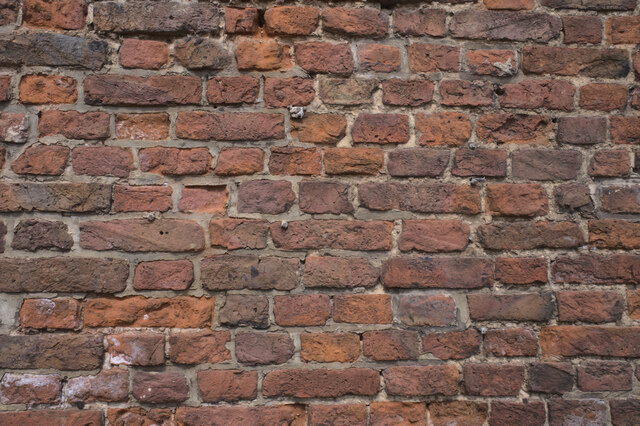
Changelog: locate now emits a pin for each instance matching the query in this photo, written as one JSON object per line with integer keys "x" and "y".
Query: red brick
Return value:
{"x": 596, "y": 376}
{"x": 333, "y": 234}
{"x": 199, "y": 199}
{"x": 17, "y": 418}
{"x": 136, "y": 348}
{"x": 165, "y": 387}
{"x": 239, "y": 161}
{"x": 562, "y": 411}
{"x": 433, "y": 57}
{"x": 62, "y": 14}
{"x": 625, "y": 411}
{"x": 530, "y": 235}
{"x": 517, "y": 200}
{"x": 196, "y": 53}
{"x": 48, "y": 89}
{"x": 363, "y": 309}
{"x": 227, "y": 272}
{"x": 347, "y": 414}
{"x": 493, "y": 379}
{"x": 582, "y": 130}
{"x": 138, "y": 311}
{"x": 420, "y": 22}
{"x": 294, "y": 415}
{"x": 571, "y": 341}
{"x": 514, "y": 128}
{"x": 73, "y": 124}
{"x": 318, "y": 57}
{"x": 433, "y": 235}
{"x": 129, "y": 90}
{"x": 511, "y": 307}
{"x": 417, "y": 162}
{"x": 42, "y": 160}
{"x": 319, "y": 128}
{"x": 446, "y": 128}
{"x": 587, "y": 62}
{"x": 479, "y": 162}
{"x": 227, "y": 385}
{"x": 153, "y": 126}
{"x": 379, "y": 58}
{"x": 262, "y": 54}
{"x": 494, "y": 62}
{"x": 458, "y": 412}
{"x": 295, "y": 161}
{"x": 324, "y": 197}
{"x": 51, "y": 314}
{"x": 521, "y": 271}
{"x": 141, "y": 235}
{"x": 174, "y": 161}
{"x": 406, "y": 92}
{"x": 625, "y": 130}
{"x": 445, "y": 272}
{"x": 265, "y": 196}
{"x": 68, "y": 351}
{"x": 235, "y": 234}
{"x": 30, "y": 389}
{"x": 329, "y": 347}
{"x": 241, "y": 20}
{"x": 531, "y": 94}
{"x": 347, "y": 91}
{"x": 345, "y": 161}
{"x": 34, "y": 235}
{"x": 498, "y": 25}
{"x": 589, "y": 306}
{"x": 5, "y": 88}
{"x": 321, "y": 383}
{"x": 163, "y": 275}
{"x": 595, "y": 269}
{"x": 284, "y": 92}
{"x": 291, "y": 20}
{"x": 145, "y": 54}
{"x": 389, "y": 345}
{"x": 301, "y": 310}
{"x": 432, "y": 311}
{"x": 452, "y": 344}
{"x": 541, "y": 164}
{"x": 633, "y": 304}
{"x": 339, "y": 272}
{"x": 102, "y": 161}
{"x": 229, "y": 126}
{"x": 582, "y": 29}
{"x": 527, "y": 413}
{"x": 614, "y": 234}
{"x": 420, "y": 198}
{"x": 422, "y": 381}
{"x": 380, "y": 128}
{"x": 263, "y": 348}
{"x": 386, "y": 413}
{"x": 511, "y": 342}
{"x": 603, "y": 97}
{"x": 508, "y": 4}
{"x": 623, "y": 29}
{"x": 233, "y": 90}
{"x": 610, "y": 163}
{"x": 199, "y": 347}
{"x": 358, "y": 22}
{"x": 620, "y": 199}
{"x": 462, "y": 93}
{"x": 141, "y": 198}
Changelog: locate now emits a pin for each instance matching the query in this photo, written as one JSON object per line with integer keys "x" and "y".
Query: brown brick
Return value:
{"x": 623, "y": 29}
{"x": 588, "y": 62}
{"x": 163, "y": 275}
{"x": 141, "y": 198}
{"x": 406, "y": 92}
{"x": 380, "y": 128}
{"x": 132, "y": 90}
{"x": 135, "y": 348}
{"x": 514, "y": 128}
{"x": 265, "y": 196}
{"x": 245, "y": 310}
{"x": 165, "y": 387}
{"x": 363, "y": 309}
{"x": 461, "y": 412}
{"x": 499, "y": 25}
{"x": 379, "y": 58}
{"x": 347, "y": 91}
{"x": 530, "y": 94}
{"x": 433, "y": 57}
{"x": 533, "y": 164}
{"x": 349, "y": 414}
{"x": 511, "y": 307}
{"x": 62, "y": 15}
{"x": 295, "y": 415}
{"x": 200, "y": 199}
{"x": 610, "y": 163}
{"x": 239, "y": 161}
{"x": 318, "y": 57}
{"x": 603, "y": 97}
{"x": 346, "y": 161}
{"x": 241, "y": 20}
{"x": 432, "y": 311}
{"x": 174, "y": 161}
{"x": 17, "y": 418}
{"x": 494, "y": 62}
{"x": 145, "y": 54}
{"x": 329, "y": 347}
{"x": 625, "y": 411}
{"x": 262, "y": 55}
{"x": 452, "y": 344}
{"x": 73, "y": 124}
{"x": 582, "y": 29}
{"x": 620, "y": 199}
{"x": 596, "y": 376}
{"x": 571, "y": 341}
{"x": 319, "y": 128}
{"x": 565, "y": 410}
{"x": 390, "y": 345}
{"x": 508, "y": 4}
{"x": 139, "y": 311}
{"x": 227, "y": 385}
{"x": 321, "y": 383}
{"x": 233, "y": 90}
{"x": 530, "y": 235}
{"x": 433, "y": 235}
{"x": 295, "y": 161}
{"x": 102, "y": 161}
{"x": 521, "y": 270}
{"x": 445, "y": 272}
{"x": 446, "y": 128}
{"x": 324, "y": 197}
{"x": 595, "y": 269}
{"x": 517, "y": 200}
{"x": 152, "y": 127}
{"x": 422, "y": 381}
{"x": 511, "y": 342}
{"x": 357, "y": 22}
{"x": 525, "y": 413}
{"x": 226, "y": 272}
{"x": 196, "y": 53}
{"x": 582, "y": 130}
{"x": 625, "y": 130}
{"x": 417, "y": 162}
{"x": 199, "y": 347}
{"x": 42, "y": 160}
{"x": 52, "y": 351}
{"x": 301, "y": 310}
{"x": 50, "y": 314}
{"x": 462, "y": 93}
{"x": 551, "y": 377}
{"x": 291, "y": 20}
{"x": 329, "y": 271}
{"x": 30, "y": 389}
{"x": 420, "y": 22}
{"x": 229, "y": 126}
{"x": 48, "y": 89}
{"x": 284, "y": 92}
{"x": 493, "y": 379}
{"x": 235, "y": 234}
{"x": 34, "y": 235}
{"x": 263, "y": 348}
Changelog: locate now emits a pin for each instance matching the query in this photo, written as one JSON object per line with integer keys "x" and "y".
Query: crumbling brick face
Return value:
{"x": 298, "y": 213}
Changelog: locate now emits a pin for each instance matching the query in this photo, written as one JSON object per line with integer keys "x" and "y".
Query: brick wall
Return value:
{"x": 448, "y": 235}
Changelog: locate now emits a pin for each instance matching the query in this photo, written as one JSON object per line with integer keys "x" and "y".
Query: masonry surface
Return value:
{"x": 449, "y": 236}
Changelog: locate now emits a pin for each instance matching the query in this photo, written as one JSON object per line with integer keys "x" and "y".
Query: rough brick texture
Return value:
{"x": 447, "y": 233}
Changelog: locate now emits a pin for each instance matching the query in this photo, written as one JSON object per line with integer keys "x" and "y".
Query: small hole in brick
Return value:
{"x": 261, "y": 18}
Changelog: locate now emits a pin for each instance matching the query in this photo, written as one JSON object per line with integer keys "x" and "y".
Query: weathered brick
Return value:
{"x": 493, "y": 379}
{"x": 144, "y": 54}
{"x": 433, "y": 235}
{"x": 363, "y": 309}
{"x": 265, "y": 196}
{"x": 329, "y": 347}
{"x": 240, "y": 20}
{"x": 9, "y": 13}
{"x": 319, "y": 128}
{"x": 199, "y": 347}
{"x": 139, "y": 311}
{"x": 50, "y": 314}
{"x": 30, "y": 389}
{"x": 511, "y": 342}
{"x": 379, "y": 58}
{"x": 533, "y": 164}
{"x": 517, "y": 200}
{"x": 291, "y": 20}
{"x": 513, "y": 128}
{"x": 588, "y": 62}
{"x": 610, "y": 163}
{"x": 55, "y": 351}
{"x": 295, "y": 415}
{"x": 494, "y": 62}
{"x": 571, "y": 341}
{"x": 235, "y": 234}
{"x": 462, "y": 412}
{"x": 624, "y": 411}
{"x": 551, "y": 377}
{"x": 196, "y": 53}
{"x": 321, "y": 383}
{"x": 334, "y": 234}
{"x": 140, "y": 235}
{"x": 108, "y": 385}
{"x": 595, "y": 269}
{"x": 165, "y": 387}
{"x": 582, "y": 130}
{"x": 433, "y": 57}
{"x": 420, "y": 22}
{"x": 14, "y": 127}
{"x": 380, "y": 128}
{"x": 530, "y": 94}
{"x": 301, "y": 310}
{"x": 623, "y": 29}
{"x": 229, "y": 126}
{"x": 239, "y": 161}
{"x": 625, "y": 130}
{"x": 605, "y": 376}
{"x": 573, "y": 197}
{"x": 462, "y": 93}
{"x": 63, "y": 274}
{"x": 432, "y": 311}
{"x": 41, "y": 159}
{"x": 561, "y": 411}
{"x": 446, "y": 128}
{"x": 163, "y": 275}
{"x": 351, "y": 414}
{"x": 508, "y": 4}
{"x": 324, "y": 197}
{"x": 170, "y": 17}
{"x": 318, "y": 57}
{"x": 226, "y": 272}
{"x": 530, "y": 235}
{"x": 422, "y": 381}
{"x": 589, "y": 306}
{"x": 154, "y": 126}
{"x": 329, "y": 271}
{"x": 74, "y": 125}
{"x": 245, "y": 310}
{"x": 102, "y": 161}
{"x": 452, "y": 344}
{"x": 132, "y": 90}
{"x": 346, "y": 161}
{"x": 5, "y": 86}
{"x": 406, "y": 92}
{"x": 200, "y": 199}
{"x": 135, "y": 348}
{"x": 227, "y": 385}
{"x": 263, "y": 348}
{"x": 347, "y": 91}
{"x": 620, "y": 199}
{"x": 174, "y": 161}
{"x": 233, "y": 90}
{"x": 511, "y": 307}
{"x": 590, "y": 4}
{"x": 603, "y": 97}
{"x": 48, "y": 89}
{"x": 521, "y": 271}
{"x": 479, "y": 162}
{"x": 295, "y": 161}
{"x": 582, "y": 29}
{"x": 512, "y": 26}
{"x": 284, "y": 92}
{"x": 262, "y": 55}
{"x": 445, "y": 272}
{"x": 525, "y": 413}
{"x": 358, "y": 22}
{"x": 142, "y": 198}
